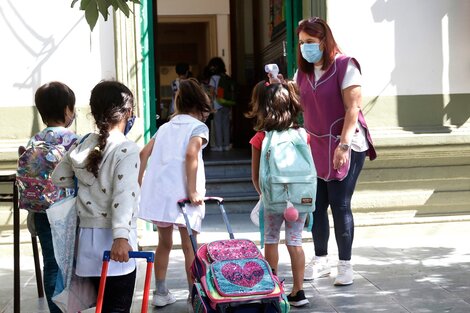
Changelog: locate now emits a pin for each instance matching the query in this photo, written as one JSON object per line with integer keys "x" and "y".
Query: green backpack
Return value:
{"x": 287, "y": 171}
{"x": 226, "y": 91}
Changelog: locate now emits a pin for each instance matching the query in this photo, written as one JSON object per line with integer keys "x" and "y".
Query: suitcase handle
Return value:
{"x": 148, "y": 276}
{"x": 132, "y": 254}
{"x": 217, "y": 200}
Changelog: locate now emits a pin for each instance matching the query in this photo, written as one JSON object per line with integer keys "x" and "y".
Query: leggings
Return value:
{"x": 336, "y": 194}
{"x": 118, "y": 292}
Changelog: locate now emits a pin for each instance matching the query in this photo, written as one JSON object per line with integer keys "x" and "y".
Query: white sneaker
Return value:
{"x": 162, "y": 300}
{"x": 345, "y": 274}
{"x": 317, "y": 268}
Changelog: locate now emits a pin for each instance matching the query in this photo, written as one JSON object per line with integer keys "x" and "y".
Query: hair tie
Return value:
{"x": 97, "y": 148}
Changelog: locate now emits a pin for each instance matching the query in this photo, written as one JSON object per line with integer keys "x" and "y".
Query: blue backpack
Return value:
{"x": 287, "y": 171}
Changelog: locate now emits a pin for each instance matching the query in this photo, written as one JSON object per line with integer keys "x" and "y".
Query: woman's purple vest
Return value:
{"x": 323, "y": 106}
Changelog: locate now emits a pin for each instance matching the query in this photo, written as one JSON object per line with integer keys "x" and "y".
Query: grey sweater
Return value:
{"x": 109, "y": 200}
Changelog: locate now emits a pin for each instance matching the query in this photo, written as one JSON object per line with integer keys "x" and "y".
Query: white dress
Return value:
{"x": 164, "y": 182}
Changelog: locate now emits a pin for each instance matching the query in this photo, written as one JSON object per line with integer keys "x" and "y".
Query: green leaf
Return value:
{"x": 123, "y": 7}
{"x": 73, "y": 3}
{"x": 135, "y": 1}
{"x": 91, "y": 14}
{"x": 84, "y": 4}
{"x": 103, "y": 8}
{"x": 114, "y": 4}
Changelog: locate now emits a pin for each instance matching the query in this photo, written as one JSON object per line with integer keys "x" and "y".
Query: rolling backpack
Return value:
{"x": 231, "y": 276}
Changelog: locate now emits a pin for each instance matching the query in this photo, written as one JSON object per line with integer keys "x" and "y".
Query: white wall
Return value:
{"x": 47, "y": 40}
{"x": 414, "y": 47}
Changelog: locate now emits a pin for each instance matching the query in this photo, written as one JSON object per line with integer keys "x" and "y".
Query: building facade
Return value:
{"x": 414, "y": 58}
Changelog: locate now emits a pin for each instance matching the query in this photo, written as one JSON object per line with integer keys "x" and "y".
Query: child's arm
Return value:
{"x": 191, "y": 164}
{"x": 255, "y": 160}
{"x": 144, "y": 156}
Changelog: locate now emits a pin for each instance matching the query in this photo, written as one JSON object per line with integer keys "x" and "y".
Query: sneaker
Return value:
{"x": 297, "y": 300}
{"x": 217, "y": 149}
{"x": 317, "y": 268}
{"x": 162, "y": 300}
{"x": 345, "y": 274}
{"x": 227, "y": 148}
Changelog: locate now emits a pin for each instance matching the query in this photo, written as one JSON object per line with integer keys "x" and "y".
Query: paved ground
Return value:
{"x": 400, "y": 268}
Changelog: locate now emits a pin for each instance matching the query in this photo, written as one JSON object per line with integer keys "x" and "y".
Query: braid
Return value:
{"x": 110, "y": 103}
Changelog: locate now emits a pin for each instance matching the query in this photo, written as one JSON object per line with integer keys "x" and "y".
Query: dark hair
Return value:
{"x": 52, "y": 99}
{"x": 318, "y": 28}
{"x": 110, "y": 103}
{"x": 217, "y": 66}
{"x": 191, "y": 98}
{"x": 275, "y": 106}
{"x": 182, "y": 68}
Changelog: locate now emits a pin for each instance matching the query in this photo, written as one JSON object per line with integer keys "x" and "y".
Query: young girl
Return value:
{"x": 276, "y": 108}
{"x": 176, "y": 171}
{"x": 106, "y": 166}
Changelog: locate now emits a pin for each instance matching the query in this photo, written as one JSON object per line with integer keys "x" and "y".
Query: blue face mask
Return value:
{"x": 129, "y": 124}
{"x": 311, "y": 52}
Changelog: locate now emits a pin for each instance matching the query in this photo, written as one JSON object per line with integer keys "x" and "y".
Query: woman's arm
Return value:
{"x": 191, "y": 164}
{"x": 255, "y": 160}
{"x": 144, "y": 156}
{"x": 352, "y": 99}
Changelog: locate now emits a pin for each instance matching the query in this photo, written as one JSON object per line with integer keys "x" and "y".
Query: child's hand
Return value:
{"x": 195, "y": 198}
{"x": 120, "y": 250}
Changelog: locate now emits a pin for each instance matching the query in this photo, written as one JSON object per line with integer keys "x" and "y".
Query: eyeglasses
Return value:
{"x": 308, "y": 20}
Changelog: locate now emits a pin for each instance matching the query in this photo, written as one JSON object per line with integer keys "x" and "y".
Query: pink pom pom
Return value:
{"x": 291, "y": 214}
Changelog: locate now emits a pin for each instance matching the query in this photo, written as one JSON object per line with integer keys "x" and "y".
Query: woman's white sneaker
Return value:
{"x": 316, "y": 268}
{"x": 345, "y": 274}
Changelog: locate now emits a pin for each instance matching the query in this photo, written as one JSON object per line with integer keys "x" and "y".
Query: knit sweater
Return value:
{"x": 109, "y": 200}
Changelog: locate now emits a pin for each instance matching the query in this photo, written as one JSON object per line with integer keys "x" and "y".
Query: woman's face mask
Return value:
{"x": 311, "y": 52}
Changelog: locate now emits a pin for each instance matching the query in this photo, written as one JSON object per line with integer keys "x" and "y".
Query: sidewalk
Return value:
{"x": 398, "y": 268}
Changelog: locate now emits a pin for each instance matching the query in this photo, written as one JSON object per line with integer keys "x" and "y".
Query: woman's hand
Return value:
{"x": 340, "y": 158}
{"x": 276, "y": 80}
{"x": 120, "y": 250}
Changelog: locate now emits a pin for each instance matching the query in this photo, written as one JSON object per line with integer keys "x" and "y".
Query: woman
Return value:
{"x": 330, "y": 90}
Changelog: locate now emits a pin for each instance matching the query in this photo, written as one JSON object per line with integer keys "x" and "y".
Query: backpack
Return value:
{"x": 287, "y": 171}
{"x": 36, "y": 190}
{"x": 232, "y": 276}
{"x": 226, "y": 91}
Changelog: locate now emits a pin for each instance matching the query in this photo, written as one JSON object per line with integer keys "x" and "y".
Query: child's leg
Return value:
{"x": 43, "y": 230}
{"x": 271, "y": 254}
{"x": 162, "y": 257}
{"x": 272, "y": 230}
{"x": 296, "y": 252}
{"x": 297, "y": 257}
{"x": 118, "y": 292}
{"x": 188, "y": 253}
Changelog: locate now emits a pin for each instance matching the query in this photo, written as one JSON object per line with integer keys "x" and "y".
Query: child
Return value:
{"x": 182, "y": 70}
{"x": 276, "y": 108}
{"x": 55, "y": 102}
{"x": 106, "y": 166}
{"x": 176, "y": 171}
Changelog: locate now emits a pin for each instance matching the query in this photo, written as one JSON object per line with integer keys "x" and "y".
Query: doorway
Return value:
{"x": 189, "y": 39}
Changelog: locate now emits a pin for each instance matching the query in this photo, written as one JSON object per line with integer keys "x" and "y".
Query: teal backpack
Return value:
{"x": 287, "y": 171}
